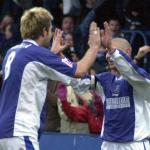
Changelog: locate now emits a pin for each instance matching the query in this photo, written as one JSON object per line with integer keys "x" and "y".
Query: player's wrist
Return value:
{"x": 94, "y": 48}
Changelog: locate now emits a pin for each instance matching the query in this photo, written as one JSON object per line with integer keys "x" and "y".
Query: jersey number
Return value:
{"x": 8, "y": 64}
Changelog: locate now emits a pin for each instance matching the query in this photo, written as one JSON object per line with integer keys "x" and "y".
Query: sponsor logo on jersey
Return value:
{"x": 67, "y": 62}
{"x": 117, "y": 102}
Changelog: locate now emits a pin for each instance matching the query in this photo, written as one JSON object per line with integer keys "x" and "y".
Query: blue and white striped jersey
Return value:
{"x": 126, "y": 100}
{"x": 26, "y": 70}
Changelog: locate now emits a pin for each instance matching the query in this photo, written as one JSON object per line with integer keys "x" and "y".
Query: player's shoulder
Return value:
{"x": 39, "y": 51}
{"x": 30, "y": 52}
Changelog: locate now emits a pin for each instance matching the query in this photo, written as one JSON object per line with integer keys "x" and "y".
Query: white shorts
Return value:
{"x": 142, "y": 145}
{"x": 19, "y": 143}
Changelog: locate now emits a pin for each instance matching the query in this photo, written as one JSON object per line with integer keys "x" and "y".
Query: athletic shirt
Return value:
{"x": 126, "y": 101}
{"x": 26, "y": 70}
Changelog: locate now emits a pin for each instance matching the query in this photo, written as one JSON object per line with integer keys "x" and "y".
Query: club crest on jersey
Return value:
{"x": 116, "y": 90}
{"x": 67, "y": 62}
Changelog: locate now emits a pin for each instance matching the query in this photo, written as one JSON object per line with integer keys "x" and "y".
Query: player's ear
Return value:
{"x": 45, "y": 31}
{"x": 128, "y": 51}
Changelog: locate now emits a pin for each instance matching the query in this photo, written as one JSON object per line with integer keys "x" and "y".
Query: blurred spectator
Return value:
{"x": 68, "y": 24}
{"x": 115, "y": 27}
{"x": 90, "y": 111}
{"x": 80, "y": 32}
{"x": 83, "y": 29}
{"x": 90, "y": 3}
{"x": 142, "y": 55}
{"x": 136, "y": 14}
{"x": 67, "y": 124}
{"x": 7, "y": 19}
{"x": 133, "y": 20}
{"x": 52, "y": 116}
{"x": 10, "y": 7}
{"x": 70, "y": 51}
{"x": 92, "y": 71}
{"x": 141, "y": 52}
{"x": 11, "y": 37}
{"x": 74, "y": 57}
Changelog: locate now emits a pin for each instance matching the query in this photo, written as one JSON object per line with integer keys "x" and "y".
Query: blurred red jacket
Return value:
{"x": 89, "y": 113}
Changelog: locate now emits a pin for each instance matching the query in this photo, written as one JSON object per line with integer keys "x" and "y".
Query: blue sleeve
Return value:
{"x": 126, "y": 65}
{"x": 54, "y": 61}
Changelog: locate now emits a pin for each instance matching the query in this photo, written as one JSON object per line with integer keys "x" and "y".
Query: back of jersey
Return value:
{"x": 13, "y": 67}
{"x": 26, "y": 70}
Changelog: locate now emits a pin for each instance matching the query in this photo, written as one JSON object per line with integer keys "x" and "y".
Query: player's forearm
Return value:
{"x": 86, "y": 62}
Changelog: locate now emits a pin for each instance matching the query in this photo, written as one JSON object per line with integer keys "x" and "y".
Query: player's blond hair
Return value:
{"x": 34, "y": 21}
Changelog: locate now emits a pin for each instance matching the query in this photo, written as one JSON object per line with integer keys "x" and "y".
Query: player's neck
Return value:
{"x": 39, "y": 42}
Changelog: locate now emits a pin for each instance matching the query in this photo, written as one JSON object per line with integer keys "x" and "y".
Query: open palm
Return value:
{"x": 106, "y": 36}
{"x": 57, "y": 45}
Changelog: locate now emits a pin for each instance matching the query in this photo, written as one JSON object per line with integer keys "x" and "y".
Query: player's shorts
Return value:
{"x": 19, "y": 143}
{"x": 142, "y": 145}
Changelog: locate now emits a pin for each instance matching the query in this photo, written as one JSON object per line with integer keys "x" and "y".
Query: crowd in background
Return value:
{"x": 71, "y": 111}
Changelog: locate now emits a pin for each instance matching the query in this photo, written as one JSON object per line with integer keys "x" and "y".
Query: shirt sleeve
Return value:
{"x": 54, "y": 61}
{"x": 52, "y": 66}
{"x": 135, "y": 75}
{"x": 82, "y": 85}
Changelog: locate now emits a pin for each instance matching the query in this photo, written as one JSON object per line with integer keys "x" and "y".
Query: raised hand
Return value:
{"x": 94, "y": 41}
{"x": 62, "y": 91}
{"x": 57, "y": 45}
{"x": 142, "y": 51}
{"x": 106, "y": 36}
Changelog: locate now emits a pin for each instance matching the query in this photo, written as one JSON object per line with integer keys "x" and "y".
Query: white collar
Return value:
{"x": 31, "y": 41}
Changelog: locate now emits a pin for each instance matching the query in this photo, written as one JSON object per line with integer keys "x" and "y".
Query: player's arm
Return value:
{"x": 135, "y": 75}
{"x": 56, "y": 67}
{"x": 90, "y": 56}
{"x": 82, "y": 85}
{"x": 94, "y": 44}
{"x": 75, "y": 113}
